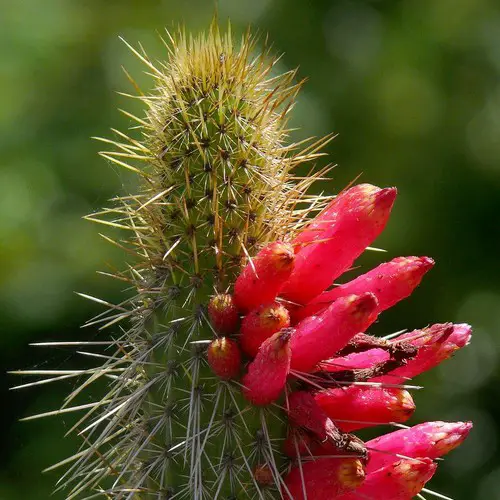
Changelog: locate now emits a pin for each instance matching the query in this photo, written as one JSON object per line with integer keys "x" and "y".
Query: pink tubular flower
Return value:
{"x": 330, "y": 377}
{"x": 431, "y": 440}
{"x": 260, "y": 324}
{"x": 356, "y": 407}
{"x": 389, "y": 282}
{"x": 401, "y": 480}
{"x": 436, "y": 344}
{"x": 319, "y": 337}
{"x": 325, "y": 221}
{"x": 361, "y": 218}
{"x": 264, "y": 276}
{"x": 267, "y": 373}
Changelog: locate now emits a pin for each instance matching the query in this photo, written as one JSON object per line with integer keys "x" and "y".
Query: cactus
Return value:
{"x": 236, "y": 363}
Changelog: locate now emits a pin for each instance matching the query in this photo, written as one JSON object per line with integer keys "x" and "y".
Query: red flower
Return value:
{"x": 324, "y": 478}
{"x": 223, "y": 314}
{"x": 319, "y": 337}
{"x": 260, "y": 324}
{"x": 400, "y": 480}
{"x": 267, "y": 373}
{"x": 356, "y": 407}
{"x": 339, "y": 378}
{"x": 264, "y": 276}
{"x": 362, "y": 213}
{"x": 224, "y": 358}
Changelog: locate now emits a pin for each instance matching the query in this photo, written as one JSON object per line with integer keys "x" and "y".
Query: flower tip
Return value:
{"x": 264, "y": 276}
{"x": 403, "y": 406}
{"x": 283, "y": 255}
{"x": 452, "y": 435}
{"x": 385, "y": 197}
{"x": 463, "y": 428}
{"x": 260, "y": 324}
{"x": 461, "y": 334}
{"x": 426, "y": 263}
{"x": 284, "y": 335}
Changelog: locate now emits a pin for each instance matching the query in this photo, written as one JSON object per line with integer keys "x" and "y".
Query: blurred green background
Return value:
{"x": 413, "y": 89}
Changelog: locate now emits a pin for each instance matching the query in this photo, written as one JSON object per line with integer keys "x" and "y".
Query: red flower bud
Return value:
{"x": 357, "y": 224}
{"x": 224, "y": 358}
{"x": 262, "y": 278}
{"x": 267, "y": 373}
{"x": 324, "y": 221}
{"x": 401, "y": 480}
{"x": 319, "y": 337}
{"x": 390, "y": 282}
{"x": 223, "y": 314}
{"x": 430, "y": 439}
{"x": 365, "y": 406}
{"x": 260, "y": 324}
{"x": 263, "y": 475}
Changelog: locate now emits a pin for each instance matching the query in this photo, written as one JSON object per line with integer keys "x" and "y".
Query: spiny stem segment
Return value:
{"x": 216, "y": 186}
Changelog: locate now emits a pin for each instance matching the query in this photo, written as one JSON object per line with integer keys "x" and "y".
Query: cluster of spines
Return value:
{"x": 214, "y": 144}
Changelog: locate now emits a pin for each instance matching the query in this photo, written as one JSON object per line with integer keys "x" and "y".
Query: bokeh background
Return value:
{"x": 412, "y": 88}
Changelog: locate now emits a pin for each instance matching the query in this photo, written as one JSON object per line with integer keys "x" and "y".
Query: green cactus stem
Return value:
{"x": 216, "y": 184}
